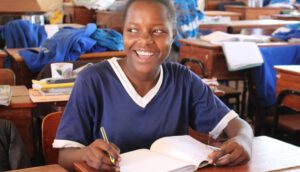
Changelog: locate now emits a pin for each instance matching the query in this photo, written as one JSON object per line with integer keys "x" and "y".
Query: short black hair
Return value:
{"x": 167, "y": 3}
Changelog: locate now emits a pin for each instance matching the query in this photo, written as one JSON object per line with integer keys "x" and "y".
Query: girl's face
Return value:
{"x": 148, "y": 35}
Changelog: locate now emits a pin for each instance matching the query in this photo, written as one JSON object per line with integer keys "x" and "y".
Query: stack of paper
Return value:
{"x": 242, "y": 55}
{"x": 45, "y": 87}
{"x": 5, "y": 95}
{"x": 219, "y": 37}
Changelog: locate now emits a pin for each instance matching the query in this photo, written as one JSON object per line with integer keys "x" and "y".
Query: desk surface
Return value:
{"x": 267, "y": 154}
{"x": 285, "y": 17}
{"x": 20, "y": 98}
{"x": 247, "y": 7}
{"x": 14, "y": 53}
{"x": 251, "y": 13}
{"x": 46, "y": 168}
{"x": 232, "y": 15}
{"x": 238, "y": 25}
{"x": 292, "y": 69}
{"x": 205, "y": 44}
{"x": 260, "y": 23}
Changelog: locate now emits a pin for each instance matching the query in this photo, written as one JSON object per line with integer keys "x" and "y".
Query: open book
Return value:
{"x": 174, "y": 153}
{"x": 242, "y": 55}
{"x": 219, "y": 38}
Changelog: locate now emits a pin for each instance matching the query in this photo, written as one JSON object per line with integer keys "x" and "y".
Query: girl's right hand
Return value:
{"x": 97, "y": 156}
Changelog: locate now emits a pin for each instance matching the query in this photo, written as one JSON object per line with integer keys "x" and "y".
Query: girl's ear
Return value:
{"x": 174, "y": 33}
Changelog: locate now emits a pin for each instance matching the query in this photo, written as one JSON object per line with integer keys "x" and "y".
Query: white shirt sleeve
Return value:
{"x": 223, "y": 123}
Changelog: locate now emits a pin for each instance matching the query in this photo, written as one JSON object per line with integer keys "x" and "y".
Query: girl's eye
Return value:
{"x": 132, "y": 30}
{"x": 158, "y": 31}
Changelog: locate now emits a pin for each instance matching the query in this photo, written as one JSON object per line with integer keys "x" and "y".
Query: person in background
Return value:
{"x": 142, "y": 97}
{"x": 13, "y": 154}
{"x": 188, "y": 20}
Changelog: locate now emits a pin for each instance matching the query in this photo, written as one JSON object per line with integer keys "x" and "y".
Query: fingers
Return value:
{"x": 217, "y": 154}
{"x": 97, "y": 156}
{"x": 231, "y": 154}
{"x": 111, "y": 149}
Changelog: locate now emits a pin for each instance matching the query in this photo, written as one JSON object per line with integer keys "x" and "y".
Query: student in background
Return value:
{"x": 188, "y": 18}
{"x": 13, "y": 154}
{"x": 141, "y": 98}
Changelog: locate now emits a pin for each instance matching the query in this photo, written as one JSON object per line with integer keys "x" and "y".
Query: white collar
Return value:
{"x": 141, "y": 101}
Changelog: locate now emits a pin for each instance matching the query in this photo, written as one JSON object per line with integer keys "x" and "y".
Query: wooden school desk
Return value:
{"x": 253, "y": 13}
{"x": 46, "y": 168}
{"x": 285, "y": 17}
{"x": 24, "y": 75}
{"x": 20, "y": 113}
{"x": 214, "y": 61}
{"x": 267, "y": 154}
{"x": 214, "y": 27}
{"x": 271, "y": 24}
{"x": 2, "y": 55}
{"x": 288, "y": 77}
{"x": 232, "y": 15}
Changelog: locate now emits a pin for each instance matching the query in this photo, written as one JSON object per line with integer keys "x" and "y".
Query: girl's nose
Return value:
{"x": 146, "y": 38}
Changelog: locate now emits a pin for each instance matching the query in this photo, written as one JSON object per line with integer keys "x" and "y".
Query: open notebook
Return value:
{"x": 219, "y": 38}
{"x": 242, "y": 55}
{"x": 174, "y": 153}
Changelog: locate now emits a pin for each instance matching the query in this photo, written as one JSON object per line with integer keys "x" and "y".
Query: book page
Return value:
{"x": 241, "y": 55}
{"x": 147, "y": 161}
{"x": 184, "y": 147}
{"x": 218, "y": 37}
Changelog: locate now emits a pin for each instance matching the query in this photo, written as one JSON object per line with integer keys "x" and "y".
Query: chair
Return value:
{"x": 49, "y": 127}
{"x": 286, "y": 121}
{"x": 198, "y": 67}
{"x": 7, "y": 77}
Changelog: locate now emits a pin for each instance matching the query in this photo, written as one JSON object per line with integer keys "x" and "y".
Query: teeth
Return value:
{"x": 144, "y": 53}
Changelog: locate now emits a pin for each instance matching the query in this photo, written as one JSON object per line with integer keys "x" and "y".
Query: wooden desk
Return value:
{"x": 288, "y": 77}
{"x": 2, "y": 55}
{"x": 212, "y": 57}
{"x": 46, "y": 168}
{"x": 110, "y": 19}
{"x": 24, "y": 75}
{"x": 267, "y": 154}
{"x": 237, "y": 26}
{"x": 20, "y": 113}
{"x": 214, "y": 27}
{"x": 212, "y": 4}
{"x": 232, "y": 15}
{"x": 253, "y": 13}
{"x": 285, "y": 17}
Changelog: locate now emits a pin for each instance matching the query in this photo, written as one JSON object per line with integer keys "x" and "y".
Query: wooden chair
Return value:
{"x": 7, "y": 77}
{"x": 283, "y": 123}
{"x": 49, "y": 127}
{"x": 198, "y": 67}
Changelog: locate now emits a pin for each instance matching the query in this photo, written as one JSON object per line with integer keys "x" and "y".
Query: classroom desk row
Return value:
{"x": 238, "y": 25}
{"x": 258, "y": 81}
{"x": 24, "y": 75}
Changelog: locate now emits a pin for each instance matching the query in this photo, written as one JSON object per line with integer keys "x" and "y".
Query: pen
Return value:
{"x": 106, "y": 140}
{"x": 214, "y": 148}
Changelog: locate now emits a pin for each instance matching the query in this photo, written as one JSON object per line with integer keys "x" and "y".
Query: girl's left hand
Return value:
{"x": 233, "y": 152}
